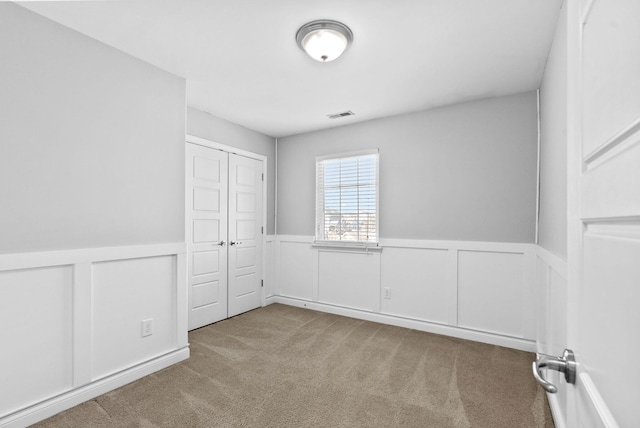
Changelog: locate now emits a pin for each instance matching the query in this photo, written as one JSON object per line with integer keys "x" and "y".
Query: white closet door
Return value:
{"x": 206, "y": 234}
{"x": 245, "y": 234}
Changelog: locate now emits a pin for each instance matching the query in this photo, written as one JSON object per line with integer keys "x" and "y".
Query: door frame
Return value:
{"x": 192, "y": 139}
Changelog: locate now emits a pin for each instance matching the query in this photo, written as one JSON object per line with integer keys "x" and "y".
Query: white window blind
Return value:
{"x": 347, "y": 197}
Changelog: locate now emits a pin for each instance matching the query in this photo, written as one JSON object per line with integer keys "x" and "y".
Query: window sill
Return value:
{"x": 351, "y": 247}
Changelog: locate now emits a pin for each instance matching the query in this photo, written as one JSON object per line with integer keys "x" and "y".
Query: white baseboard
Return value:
{"x": 461, "y": 333}
{"x": 52, "y": 406}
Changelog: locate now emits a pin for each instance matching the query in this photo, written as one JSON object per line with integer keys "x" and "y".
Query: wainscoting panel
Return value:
{"x": 418, "y": 282}
{"x": 126, "y": 292}
{"x": 295, "y": 267}
{"x": 36, "y": 335}
{"x": 349, "y": 279}
{"x": 72, "y": 324}
{"x": 481, "y": 291}
{"x": 491, "y": 291}
{"x": 551, "y": 280}
{"x": 270, "y": 266}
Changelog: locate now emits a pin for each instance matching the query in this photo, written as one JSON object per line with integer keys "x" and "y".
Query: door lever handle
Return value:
{"x": 222, "y": 243}
{"x": 565, "y": 364}
{"x": 235, "y": 243}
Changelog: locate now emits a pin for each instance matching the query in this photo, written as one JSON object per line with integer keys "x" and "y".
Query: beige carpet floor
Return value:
{"x": 281, "y": 366}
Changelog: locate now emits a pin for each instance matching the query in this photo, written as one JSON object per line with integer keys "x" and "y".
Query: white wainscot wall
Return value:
{"x": 480, "y": 291}
{"x": 270, "y": 265}
{"x": 72, "y": 324}
{"x": 551, "y": 281}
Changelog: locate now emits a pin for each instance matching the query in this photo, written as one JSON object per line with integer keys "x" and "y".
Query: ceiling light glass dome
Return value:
{"x": 324, "y": 40}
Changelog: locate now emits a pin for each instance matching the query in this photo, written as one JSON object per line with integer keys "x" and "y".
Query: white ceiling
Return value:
{"x": 242, "y": 63}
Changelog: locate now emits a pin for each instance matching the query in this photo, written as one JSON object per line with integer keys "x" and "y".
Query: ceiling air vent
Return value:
{"x": 343, "y": 114}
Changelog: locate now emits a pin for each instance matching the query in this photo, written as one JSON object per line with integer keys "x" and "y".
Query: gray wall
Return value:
{"x": 462, "y": 172}
{"x": 204, "y": 125}
{"x": 91, "y": 141}
{"x": 553, "y": 145}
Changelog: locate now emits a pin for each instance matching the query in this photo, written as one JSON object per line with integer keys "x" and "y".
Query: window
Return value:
{"x": 347, "y": 197}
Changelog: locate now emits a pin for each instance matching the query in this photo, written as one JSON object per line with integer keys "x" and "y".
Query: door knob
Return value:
{"x": 222, "y": 243}
{"x": 565, "y": 364}
{"x": 235, "y": 243}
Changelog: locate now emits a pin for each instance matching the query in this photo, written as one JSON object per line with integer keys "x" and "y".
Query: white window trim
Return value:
{"x": 349, "y": 244}
{"x": 348, "y": 155}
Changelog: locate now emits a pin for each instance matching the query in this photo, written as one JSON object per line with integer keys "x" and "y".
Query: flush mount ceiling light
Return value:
{"x": 324, "y": 40}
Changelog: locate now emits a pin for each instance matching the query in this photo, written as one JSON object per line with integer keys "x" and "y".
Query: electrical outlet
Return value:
{"x": 147, "y": 327}
{"x": 387, "y": 293}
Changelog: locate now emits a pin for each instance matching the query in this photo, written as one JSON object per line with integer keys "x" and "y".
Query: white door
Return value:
{"x": 206, "y": 234}
{"x": 245, "y": 234}
{"x": 604, "y": 212}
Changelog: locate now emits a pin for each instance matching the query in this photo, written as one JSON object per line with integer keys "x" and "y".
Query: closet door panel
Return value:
{"x": 207, "y": 196}
{"x": 245, "y": 234}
